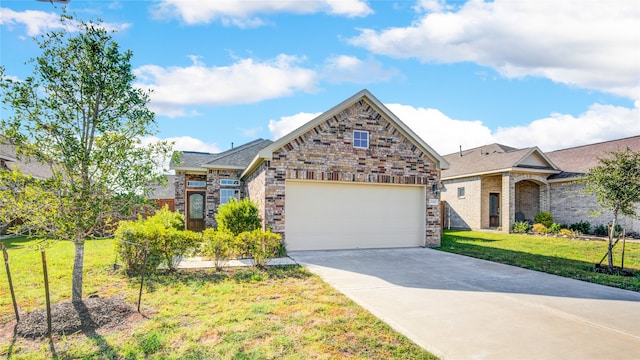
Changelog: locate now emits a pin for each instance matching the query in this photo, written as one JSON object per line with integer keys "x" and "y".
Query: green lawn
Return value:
{"x": 571, "y": 258}
{"x": 282, "y": 312}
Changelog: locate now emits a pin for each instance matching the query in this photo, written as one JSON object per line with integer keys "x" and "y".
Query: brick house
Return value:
{"x": 492, "y": 186}
{"x": 353, "y": 177}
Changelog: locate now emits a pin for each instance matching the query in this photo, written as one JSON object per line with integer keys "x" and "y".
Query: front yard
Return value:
{"x": 566, "y": 257}
{"x": 282, "y": 312}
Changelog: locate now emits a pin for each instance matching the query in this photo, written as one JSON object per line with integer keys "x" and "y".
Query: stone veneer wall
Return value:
{"x": 326, "y": 153}
{"x": 213, "y": 192}
{"x": 180, "y": 185}
{"x": 254, "y": 187}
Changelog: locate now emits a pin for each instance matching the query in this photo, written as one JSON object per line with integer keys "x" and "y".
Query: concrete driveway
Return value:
{"x": 463, "y": 308}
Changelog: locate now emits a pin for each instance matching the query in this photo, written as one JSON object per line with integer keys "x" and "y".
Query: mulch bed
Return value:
{"x": 68, "y": 318}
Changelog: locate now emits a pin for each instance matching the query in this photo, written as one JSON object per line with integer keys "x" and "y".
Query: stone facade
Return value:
{"x": 326, "y": 153}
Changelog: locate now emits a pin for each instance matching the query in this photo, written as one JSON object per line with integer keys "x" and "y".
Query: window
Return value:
{"x": 229, "y": 182}
{"x": 360, "y": 139}
{"x": 227, "y": 194}
{"x": 460, "y": 193}
{"x": 196, "y": 206}
{"x": 196, "y": 184}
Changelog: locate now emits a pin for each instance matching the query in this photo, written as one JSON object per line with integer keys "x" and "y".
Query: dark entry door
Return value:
{"x": 494, "y": 209}
{"x": 195, "y": 211}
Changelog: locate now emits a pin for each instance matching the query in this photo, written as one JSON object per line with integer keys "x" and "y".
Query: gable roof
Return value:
{"x": 267, "y": 152}
{"x": 578, "y": 160}
{"x": 12, "y": 161}
{"x": 493, "y": 158}
{"x": 234, "y": 158}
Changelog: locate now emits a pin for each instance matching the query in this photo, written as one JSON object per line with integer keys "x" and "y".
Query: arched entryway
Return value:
{"x": 528, "y": 199}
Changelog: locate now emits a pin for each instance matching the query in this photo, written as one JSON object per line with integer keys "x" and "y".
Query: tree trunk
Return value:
{"x": 78, "y": 261}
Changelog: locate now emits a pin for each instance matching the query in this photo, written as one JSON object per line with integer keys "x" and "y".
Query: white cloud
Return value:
{"x": 246, "y": 81}
{"x": 558, "y": 131}
{"x": 442, "y": 133}
{"x": 36, "y": 22}
{"x": 245, "y": 13}
{"x": 181, "y": 143}
{"x": 287, "y": 124}
{"x": 39, "y": 22}
{"x": 344, "y": 68}
{"x": 591, "y": 45}
{"x": 598, "y": 123}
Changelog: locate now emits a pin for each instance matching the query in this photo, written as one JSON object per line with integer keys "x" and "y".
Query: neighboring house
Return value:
{"x": 10, "y": 161}
{"x": 492, "y": 186}
{"x": 164, "y": 194}
{"x": 353, "y": 177}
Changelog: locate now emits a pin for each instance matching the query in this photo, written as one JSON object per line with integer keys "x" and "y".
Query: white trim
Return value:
{"x": 498, "y": 171}
{"x": 353, "y": 140}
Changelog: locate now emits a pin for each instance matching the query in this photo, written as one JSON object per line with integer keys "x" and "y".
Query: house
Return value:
{"x": 9, "y": 160}
{"x": 353, "y": 177}
{"x": 164, "y": 193}
{"x": 492, "y": 186}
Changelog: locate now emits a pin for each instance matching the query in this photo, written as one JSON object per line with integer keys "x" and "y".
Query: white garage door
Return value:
{"x": 325, "y": 215}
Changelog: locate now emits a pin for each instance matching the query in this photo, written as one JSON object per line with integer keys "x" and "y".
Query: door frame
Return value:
{"x": 494, "y": 219}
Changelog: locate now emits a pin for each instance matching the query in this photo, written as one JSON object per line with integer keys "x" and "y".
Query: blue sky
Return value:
{"x": 552, "y": 74}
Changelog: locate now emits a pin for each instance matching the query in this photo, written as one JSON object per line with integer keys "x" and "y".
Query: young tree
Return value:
{"x": 80, "y": 114}
{"x": 616, "y": 185}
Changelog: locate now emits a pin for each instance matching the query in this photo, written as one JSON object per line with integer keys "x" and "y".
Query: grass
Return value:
{"x": 566, "y": 257}
{"x": 281, "y": 312}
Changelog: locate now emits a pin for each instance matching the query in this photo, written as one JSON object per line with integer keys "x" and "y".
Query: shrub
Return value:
{"x": 600, "y": 230}
{"x": 168, "y": 243}
{"x": 521, "y": 227}
{"x": 219, "y": 245}
{"x": 566, "y": 232}
{"x": 238, "y": 216}
{"x": 261, "y": 245}
{"x": 130, "y": 239}
{"x": 544, "y": 218}
{"x": 539, "y": 229}
{"x": 581, "y": 227}
{"x": 555, "y": 228}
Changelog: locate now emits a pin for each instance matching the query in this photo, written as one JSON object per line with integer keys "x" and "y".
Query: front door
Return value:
{"x": 195, "y": 211}
{"x": 494, "y": 209}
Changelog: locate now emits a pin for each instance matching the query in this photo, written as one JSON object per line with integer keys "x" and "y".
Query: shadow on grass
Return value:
{"x": 197, "y": 277}
{"x": 574, "y": 269}
{"x": 88, "y": 326}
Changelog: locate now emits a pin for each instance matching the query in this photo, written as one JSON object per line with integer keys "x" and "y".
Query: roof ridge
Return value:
{"x": 235, "y": 150}
{"x": 597, "y": 143}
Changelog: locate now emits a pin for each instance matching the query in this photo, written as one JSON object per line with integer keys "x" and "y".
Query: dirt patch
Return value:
{"x": 604, "y": 269}
{"x": 68, "y": 318}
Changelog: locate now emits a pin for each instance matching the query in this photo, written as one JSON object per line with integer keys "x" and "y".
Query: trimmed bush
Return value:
{"x": 219, "y": 245}
{"x": 260, "y": 245}
{"x": 600, "y": 230}
{"x": 521, "y": 227}
{"x": 238, "y": 216}
{"x": 168, "y": 242}
{"x": 582, "y": 227}
{"x": 539, "y": 229}
{"x": 566, "y": 232}
{"x": 544, "y": 218}
{"x": 555, "y": 228}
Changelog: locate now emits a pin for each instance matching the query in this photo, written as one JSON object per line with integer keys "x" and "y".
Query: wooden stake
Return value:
{"x": 13, "y": 295}
{"x": 46, "y": 290}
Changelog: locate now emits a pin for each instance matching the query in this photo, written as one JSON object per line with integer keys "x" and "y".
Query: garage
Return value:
{"x": 334, "y": 215}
